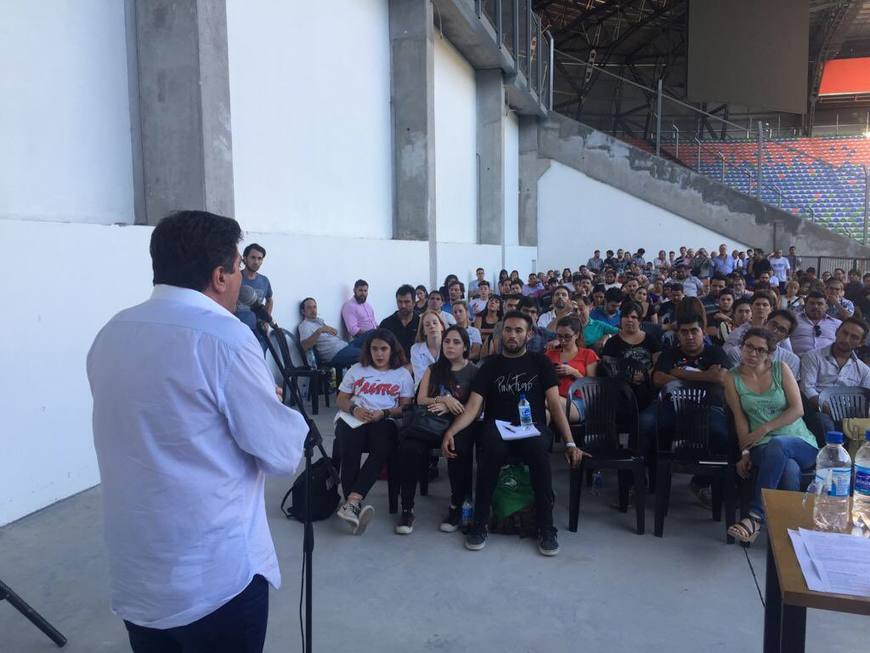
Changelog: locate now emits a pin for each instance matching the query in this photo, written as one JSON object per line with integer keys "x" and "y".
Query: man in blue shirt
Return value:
{"x": 609, "y": 313}
{"x": 252, "y": 257}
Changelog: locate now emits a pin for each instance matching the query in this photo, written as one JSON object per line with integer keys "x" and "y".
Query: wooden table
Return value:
{"x": 786, "y": 595}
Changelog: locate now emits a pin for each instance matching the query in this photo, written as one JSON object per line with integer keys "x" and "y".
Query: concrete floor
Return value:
{"x": 608, "y": 590}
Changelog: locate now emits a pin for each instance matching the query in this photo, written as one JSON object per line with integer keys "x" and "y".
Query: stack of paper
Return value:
{"x": 510, "y": 432}
{"x": 833, "y": 562}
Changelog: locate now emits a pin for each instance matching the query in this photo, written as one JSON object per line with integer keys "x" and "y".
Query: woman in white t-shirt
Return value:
{"x": 427, "y": 347}
{"x": 371, "y": 392}
{"x": 460, "y": 312}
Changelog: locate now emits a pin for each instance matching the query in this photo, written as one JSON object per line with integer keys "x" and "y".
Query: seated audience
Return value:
{"x": 455, "y": 293}
{"x": 539, "y": 337}
{"x": 421, "y": 299}
{"x": 720, "y": 322}
{"x": 649, "y": 312}
{"x": 500, "y": 382}
{"x": 570, "y": 360}
{"x": 815, "y": 328}
{"x": 444, "y": 388}
{"x": 609, "y": 313}
{"x": 474, "y": 286}
{"x": 317, "y": 334}
{"x": 779, "y": 324}
{"x": 357, "y": 313}
{"x": 479, "y": 303}
{"x": 436, "y": 303}
{"x": 792, "y": 299}
{"x": 631, "y": 354}
{"x": 838, "y": 306}
{"x": 763, "y": 302}
{"x": 405, "y": 321}
{"x": 371, "y": 392}
{"x": 595, "y": 332}
{"x": 765, "y": 401}
{"x": 460, "y": 312}
{"x": 427, "y": 347}
{"x": 833, "y": 365}
{"x": 561, "y": 308}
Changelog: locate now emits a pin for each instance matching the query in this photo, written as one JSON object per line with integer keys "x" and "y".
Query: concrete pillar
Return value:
{"x": 413, "y": 105}
{"x": 180, "y": 105}
{"x": 490, "y": 156}
{"x": 531, "y": 169}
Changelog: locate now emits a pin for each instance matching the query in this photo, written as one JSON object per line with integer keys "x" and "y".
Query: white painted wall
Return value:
{"x": 511, "y": 161}
{"x": 311, "y": 116}
{"x": 578, "y": 214}
{"x": 64, "y": 112}
{"x": 455, "y": 145}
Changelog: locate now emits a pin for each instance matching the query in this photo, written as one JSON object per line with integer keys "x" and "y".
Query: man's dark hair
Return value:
{"x": 763, "y": 294}
{"x": 405, "y": 289}
{"x": 854, "y": 320}
{"x": 397, "y": 352}
{"x": 527, "y": 302}
{"x": 562, "y": 287}
{"x": 690, "y": 317}
{"x": 676, "y": 285}
{"x": 479, "y": 270}
{"x": 613, "y": 295}
{"x": 255, "y": 246}
{"x": 739, "y": 301}
{"x": 630, "y": 306}
{"x": 785, "y": 315}
{"x": 726, "y": 291}
{"x": 483, "y": 283}
{"x": 815, "y": 294}
{"x": 187, "y": 246}
{"x": 598, "y": 287}
{"x": 302, "y": 304}
{"x": 519, "y": 316}
{"x": 719, "y": 277}
{"x": 359, "y": 283}
{"x": 456, "y": 282}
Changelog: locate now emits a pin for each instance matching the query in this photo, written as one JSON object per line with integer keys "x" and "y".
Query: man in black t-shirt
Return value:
{"x": 499, "y": 383}
{"x": 690, "y": 360}
{"x": 404, "y": 322}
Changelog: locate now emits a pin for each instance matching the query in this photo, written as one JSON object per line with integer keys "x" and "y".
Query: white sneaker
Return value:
{"x": 350, "y": 513}
{"x": 365, "y": 516}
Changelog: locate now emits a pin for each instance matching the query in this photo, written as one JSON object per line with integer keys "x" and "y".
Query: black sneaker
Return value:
{"x": 476, "y": 538}
{"x": 450, "y": 524}
{"x": 406, "y": 523}
{"x": 548, "y": 545}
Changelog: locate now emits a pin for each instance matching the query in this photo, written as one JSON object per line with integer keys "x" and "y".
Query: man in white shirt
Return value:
{"x": 474, "y": 286}
{"x": 186, "y": 425}
{"x": 692, "y": 286}
{"x": 315, "y": 333}
{"x": 781, "y": 266}
{"x": 561, "y": 308}
{"x": 478, "y": 304}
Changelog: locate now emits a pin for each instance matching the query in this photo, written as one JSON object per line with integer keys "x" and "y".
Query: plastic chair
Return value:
{"x": 610, "y": 409}
{"x": 288, "y": 348}
{"x": 844, "y": 402}
{"x": 687, "y": 449}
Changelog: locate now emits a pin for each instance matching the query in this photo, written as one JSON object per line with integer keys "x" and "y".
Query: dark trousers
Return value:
{"x": 413, "y": 461}
{"x": 818, "y": 422}
{"x": 378, "y": 438}
{"x": 238, "y": 626}
{"x": 493, "y": 451}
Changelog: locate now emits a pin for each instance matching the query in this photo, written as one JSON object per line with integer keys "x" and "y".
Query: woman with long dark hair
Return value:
{"x": 444, "y": 388}
{"x": 371, "y": 392}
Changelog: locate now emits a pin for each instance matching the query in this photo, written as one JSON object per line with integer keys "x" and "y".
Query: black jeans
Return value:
{"x": 413, "y": 460}
{"x": 378, "y": 438}
{"x": 238, "y": 626}
{"x": 493, "y": 451}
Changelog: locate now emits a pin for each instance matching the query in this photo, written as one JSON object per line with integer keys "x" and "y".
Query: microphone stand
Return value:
{"x": 312, "y": 440}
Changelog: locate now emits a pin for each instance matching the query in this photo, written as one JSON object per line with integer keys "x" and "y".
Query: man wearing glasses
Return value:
{"x": 780, "y": 323}
{"x": 815, "y": 328}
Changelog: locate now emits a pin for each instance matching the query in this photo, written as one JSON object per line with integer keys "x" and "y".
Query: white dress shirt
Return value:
{"x": 186, "y": 423}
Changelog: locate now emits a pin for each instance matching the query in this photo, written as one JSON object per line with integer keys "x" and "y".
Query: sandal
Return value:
{"x": 746, "y": 530}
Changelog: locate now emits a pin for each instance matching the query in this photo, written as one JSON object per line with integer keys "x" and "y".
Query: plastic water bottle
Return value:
{"x": 597, "y": 482}
{"x": 467, "y": 513}
{"x": 833, "y": 476}
{"x": 861, "y": 497}
{"x": 525, "y": 411}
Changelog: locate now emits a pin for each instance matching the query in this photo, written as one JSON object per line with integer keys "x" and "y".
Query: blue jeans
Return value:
{"x": 350, "y": 354}
{"x": 779, "y": 464}
{"x": 238, "y": 626}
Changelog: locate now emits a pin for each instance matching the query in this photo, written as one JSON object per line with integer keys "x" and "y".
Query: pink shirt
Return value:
{"x": 357, "y": 317}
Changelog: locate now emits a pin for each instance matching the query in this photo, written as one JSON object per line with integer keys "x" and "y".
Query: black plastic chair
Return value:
{"x": 844, "y": 402}
{"x": 287, "y": 346}
{"x": 610, "y": 409}
{"x": 687, "y": 449}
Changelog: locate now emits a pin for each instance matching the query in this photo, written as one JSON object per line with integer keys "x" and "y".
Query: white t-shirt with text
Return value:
{"x": 377, "y": 389}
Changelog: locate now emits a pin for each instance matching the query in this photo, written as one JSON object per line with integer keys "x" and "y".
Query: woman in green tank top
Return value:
{"x": 765, "y": 400}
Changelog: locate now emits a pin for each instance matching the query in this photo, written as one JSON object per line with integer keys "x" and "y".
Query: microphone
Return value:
{"x": 248, "y": 297}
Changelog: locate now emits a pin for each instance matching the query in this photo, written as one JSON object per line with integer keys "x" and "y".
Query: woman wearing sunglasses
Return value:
{"x": 765, "y": 400}
{"x": 570, "y": 360}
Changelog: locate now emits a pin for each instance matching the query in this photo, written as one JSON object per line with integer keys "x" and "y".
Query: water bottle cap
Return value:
{"x": 867, "y": 435}
{"x": 834, "y": 437}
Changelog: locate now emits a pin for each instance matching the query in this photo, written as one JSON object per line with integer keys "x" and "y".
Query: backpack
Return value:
{"x": 513, "y": 503}
{"x": 324, "y": 494}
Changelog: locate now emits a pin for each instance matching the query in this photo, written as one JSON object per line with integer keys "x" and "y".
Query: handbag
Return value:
{"x": 419, "y": 423}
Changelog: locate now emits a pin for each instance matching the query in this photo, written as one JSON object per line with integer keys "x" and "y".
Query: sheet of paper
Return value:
{"x": 510, "y": 432}
{"x": 842, "y": 561}
{"x": 348, "y": 419}
{"x": 811, "y": 574}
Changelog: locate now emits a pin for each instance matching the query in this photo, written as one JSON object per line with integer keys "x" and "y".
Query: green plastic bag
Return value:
{"x": 513, "y": 491}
